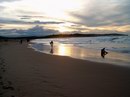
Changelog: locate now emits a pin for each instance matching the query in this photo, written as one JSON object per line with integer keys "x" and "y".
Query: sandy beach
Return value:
{"x": 27, "y": 73}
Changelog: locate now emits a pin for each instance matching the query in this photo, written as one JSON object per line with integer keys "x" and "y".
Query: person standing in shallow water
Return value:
{"x": 103, "y": 52}
{"x": 51, "y": 43}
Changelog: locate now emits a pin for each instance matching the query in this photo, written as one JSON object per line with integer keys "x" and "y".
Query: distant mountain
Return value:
{"x": 63, "y": 36}
{"x": 82, "y": 35}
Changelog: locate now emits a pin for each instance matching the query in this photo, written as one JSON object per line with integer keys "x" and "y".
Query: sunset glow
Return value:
{"x": 82, "y": 16}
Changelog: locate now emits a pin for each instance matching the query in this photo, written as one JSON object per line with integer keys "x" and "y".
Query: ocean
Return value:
{"x": 88, "y": 48}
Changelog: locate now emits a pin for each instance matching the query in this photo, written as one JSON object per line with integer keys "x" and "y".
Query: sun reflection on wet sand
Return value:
{"x": 87, "y": 54}
{"x": 63, "y": 50}
{"x": 72, "y": 51}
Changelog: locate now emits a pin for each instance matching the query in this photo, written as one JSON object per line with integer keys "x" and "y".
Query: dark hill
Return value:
{"x": 61, "y": 36}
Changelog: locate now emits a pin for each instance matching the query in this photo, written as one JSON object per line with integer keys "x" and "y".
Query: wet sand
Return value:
{"x": 82, "y": 53}
{"x": 27, "y": 73}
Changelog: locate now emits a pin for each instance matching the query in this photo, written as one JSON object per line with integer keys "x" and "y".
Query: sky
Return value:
{"x": 45, "y": 17}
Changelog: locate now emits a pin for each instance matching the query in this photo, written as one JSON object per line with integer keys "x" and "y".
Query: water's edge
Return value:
{"x": 84, "y": 55}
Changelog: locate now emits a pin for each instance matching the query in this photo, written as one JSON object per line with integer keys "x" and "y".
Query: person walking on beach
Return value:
{"x": 51, "y": 43}
{"x": 103, "y": 52}
{"x": 28, "y": 40}
{"x": 21, "y": 41}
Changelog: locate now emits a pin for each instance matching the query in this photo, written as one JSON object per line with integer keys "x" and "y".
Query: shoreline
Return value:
{"x": 35, "y": 74}
{"x": 81, "y": 53}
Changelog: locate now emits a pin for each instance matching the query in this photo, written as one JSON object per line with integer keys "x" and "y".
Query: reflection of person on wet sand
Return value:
{"x": 103, "y": 52}
{"x": 51, "y": 51}
{"x": 51, "y": 43}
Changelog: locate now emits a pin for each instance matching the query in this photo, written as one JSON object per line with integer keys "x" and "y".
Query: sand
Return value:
{"x": 27, "y": 73}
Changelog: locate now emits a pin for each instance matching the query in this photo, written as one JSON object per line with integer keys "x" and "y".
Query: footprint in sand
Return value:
{"x": 4, "y": 70}
{"x": 0, "y": 77}
{"x": 5, "y": 85}
{"x": 9, "y": 82}
{"x": 1, "y": 94}
{"x": 1, "y": 83}
{"x": 8, "y": 86}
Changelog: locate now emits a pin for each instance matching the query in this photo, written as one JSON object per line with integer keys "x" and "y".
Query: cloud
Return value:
{"x": 26, "y": 12}
{"x": 1, "y": 1}
{"x": 13, "y": 21}
{"x": 49, "y": 22}
{"x": 23, "y": 21}
{"x": 30, "y": 16}
{"x": 10, "y": 20}
{"x": 102, "y": 12}
{"x": 8, "y": 32}
{"x": 1, "y": 25}
{"x": 101, "y": 29}
{"x": 34, "y": 31}
{"x": 2, "y": 8}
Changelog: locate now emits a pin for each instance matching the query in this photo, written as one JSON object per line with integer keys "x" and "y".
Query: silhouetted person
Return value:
{"x": 28, "y": 40}
{"x": 21, "y": 41}
{"x": 6, "y": 40}
{"x": 103, "y": 52}
{"x": 51, "y": 43}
